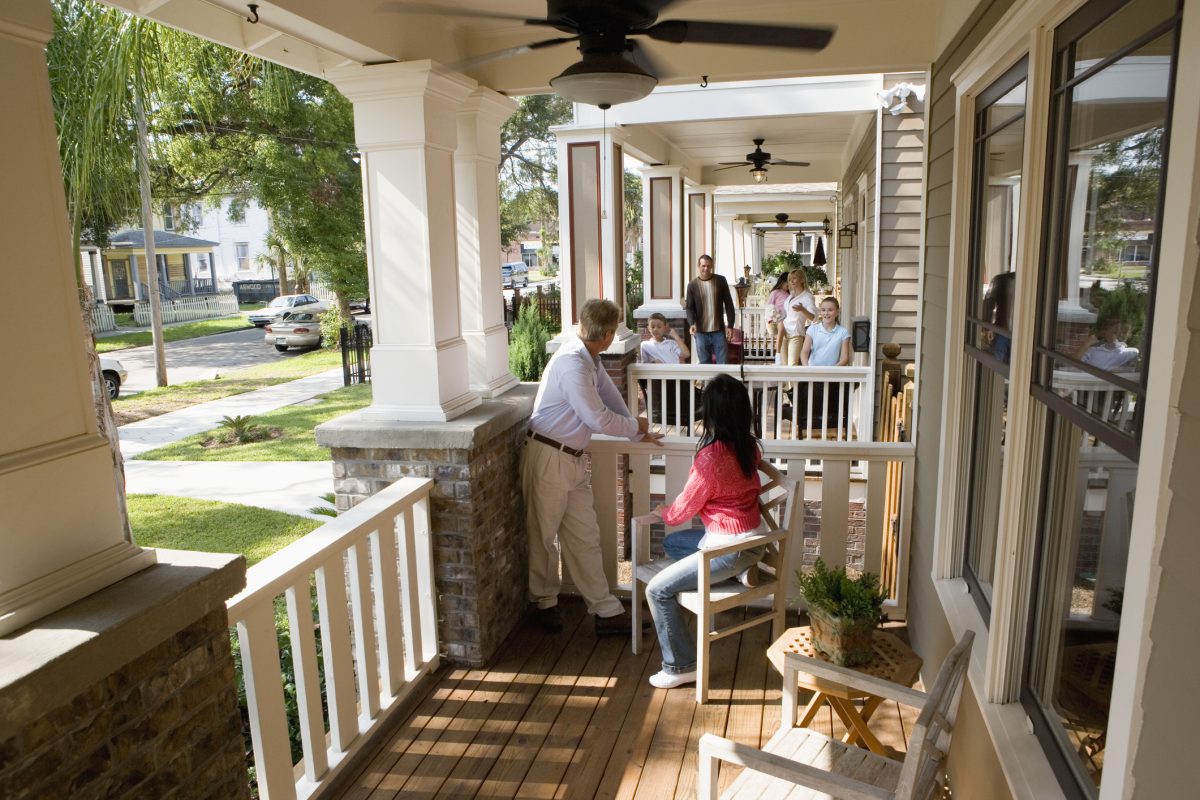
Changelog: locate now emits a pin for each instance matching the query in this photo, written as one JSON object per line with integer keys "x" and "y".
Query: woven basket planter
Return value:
{"x": 845, "y": 642}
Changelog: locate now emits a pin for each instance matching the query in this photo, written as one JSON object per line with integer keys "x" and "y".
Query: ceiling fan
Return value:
{"x": 614, "y": 68}
{"x": 758, "y": 161}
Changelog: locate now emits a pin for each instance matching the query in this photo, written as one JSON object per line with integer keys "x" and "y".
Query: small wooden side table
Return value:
{"x": 893, "y": 661}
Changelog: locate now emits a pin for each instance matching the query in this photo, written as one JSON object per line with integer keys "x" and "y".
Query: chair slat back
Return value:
{"x": 929, "y": 743}
{"x": 778, "y": 502}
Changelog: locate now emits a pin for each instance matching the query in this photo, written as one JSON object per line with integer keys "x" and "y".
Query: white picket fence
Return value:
{"x": 831, "y": 403}
{"x": 373, "y": 571}
{"x": 186, "y": 309}
{"x": 103, "y": 319}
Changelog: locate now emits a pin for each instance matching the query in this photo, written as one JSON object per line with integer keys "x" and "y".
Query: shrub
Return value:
{"x": 527, "y": 354}
{"x": 243, "y": 428}
{"x": 331, "y": 327}
{"x": 837, "y": 594}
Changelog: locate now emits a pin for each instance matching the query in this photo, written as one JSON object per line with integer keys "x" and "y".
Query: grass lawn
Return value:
{"x": 296, "y": 441}
{"x": 250, "y": 306}
{"x": 153, "y": 402}
{"x": 174, "y": 333}
{"x": 183, "y": 523}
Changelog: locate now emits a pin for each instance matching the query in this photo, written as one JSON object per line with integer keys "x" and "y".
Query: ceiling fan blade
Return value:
{"x": 487, "y": 58}
{"x": 680, "y": 30}
{"x": 731, "y": 166}
{"x": 445, "y": 11}
{"x": 734, "y": 163}
{"x": 778, "y": 162}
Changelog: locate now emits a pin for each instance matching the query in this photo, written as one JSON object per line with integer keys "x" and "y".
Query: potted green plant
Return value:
{"x": 843, "y": 612}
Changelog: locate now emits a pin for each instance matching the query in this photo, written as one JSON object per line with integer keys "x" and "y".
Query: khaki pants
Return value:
{"x": 791, "y": 349}
{"x": 560, "y": 510}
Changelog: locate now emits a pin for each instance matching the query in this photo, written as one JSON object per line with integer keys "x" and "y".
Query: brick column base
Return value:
{"x": 481, "y": 552}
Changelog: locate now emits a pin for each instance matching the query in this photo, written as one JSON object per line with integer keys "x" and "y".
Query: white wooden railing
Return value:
{"x": 1107, "y": 402}
{"x": 757, "y": 342}
{"x": 103, "y": 319}
{"x": 831, "y": 403}
{"x": 373, "y": 572}
{"x": 882, "y": 496}
{"x": 206, "y": 307}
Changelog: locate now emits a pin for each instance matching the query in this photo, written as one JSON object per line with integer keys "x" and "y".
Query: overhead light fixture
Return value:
{"x": 846, "y": 236}
{"x": 781, "y": 220}
{"x": 760, "y": 174}
{"x": 604, "y": 80}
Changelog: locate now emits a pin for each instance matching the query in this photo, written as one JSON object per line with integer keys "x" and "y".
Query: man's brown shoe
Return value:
{"x": 550, "y": 619}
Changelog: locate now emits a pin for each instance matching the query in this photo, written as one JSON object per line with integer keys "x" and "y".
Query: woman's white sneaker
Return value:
{"x": 669, "y": 680}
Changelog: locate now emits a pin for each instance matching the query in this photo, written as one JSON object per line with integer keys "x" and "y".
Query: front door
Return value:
{"x": 118, "y": 271}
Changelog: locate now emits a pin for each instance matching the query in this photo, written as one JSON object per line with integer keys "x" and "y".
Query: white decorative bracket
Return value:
{"x": 895, "y": 100}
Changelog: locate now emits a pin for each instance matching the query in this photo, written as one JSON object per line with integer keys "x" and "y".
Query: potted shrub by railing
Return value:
{"x": 843, "y": 612}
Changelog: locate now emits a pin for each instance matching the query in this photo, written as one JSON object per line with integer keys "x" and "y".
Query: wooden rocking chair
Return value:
{"x": 846, "y": 772}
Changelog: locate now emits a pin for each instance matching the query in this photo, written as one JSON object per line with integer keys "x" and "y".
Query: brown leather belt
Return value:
{"x": 571, "y": 451}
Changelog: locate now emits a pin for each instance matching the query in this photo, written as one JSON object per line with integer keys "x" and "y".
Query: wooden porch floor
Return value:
{"x": 568, "y": 715}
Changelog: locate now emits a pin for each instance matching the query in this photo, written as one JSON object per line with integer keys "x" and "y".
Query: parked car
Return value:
{"x": 514, "y": 273}
{"x": 114, "y": 374}
{"x": 287, "y": 304}
{"x": 300, "y": 329}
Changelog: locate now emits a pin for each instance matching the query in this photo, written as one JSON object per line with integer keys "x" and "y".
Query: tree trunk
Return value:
{"x": 280, "y": 261}
{"x": 156, "y": 322}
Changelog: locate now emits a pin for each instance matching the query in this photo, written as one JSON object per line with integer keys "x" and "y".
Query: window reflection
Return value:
{"x": 989, "y": 424}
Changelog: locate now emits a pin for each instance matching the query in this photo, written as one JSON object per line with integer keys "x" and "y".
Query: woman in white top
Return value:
{"x": 801, "y": 309}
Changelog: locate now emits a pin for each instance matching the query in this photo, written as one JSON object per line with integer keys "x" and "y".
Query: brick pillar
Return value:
{"x": 481, "y": 555}
{"x": 617, "y": 367}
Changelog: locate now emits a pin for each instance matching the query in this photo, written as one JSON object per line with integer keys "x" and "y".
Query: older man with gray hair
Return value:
{"x": 576, "y": 399}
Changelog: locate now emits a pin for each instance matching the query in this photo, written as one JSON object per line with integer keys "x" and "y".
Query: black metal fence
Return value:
{"x": 548, "y": 304}
{"x": 355, "y": 341}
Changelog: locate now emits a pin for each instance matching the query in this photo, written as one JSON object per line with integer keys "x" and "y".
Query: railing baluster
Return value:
{"x": 423, "y": 548}
{"x": 308, "y": 684}
{"x": 387, "y": 609}
{"x": 335, "y": 650}
{"x": 264, "y": 701}
{"x": 364, "y": 633}
{"x": 410, "y": 599}
{"x": 835, "y": 507}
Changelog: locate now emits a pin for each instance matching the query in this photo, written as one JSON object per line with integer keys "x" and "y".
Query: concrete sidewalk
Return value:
{"x": 148, "y": 434}
{"x": 290, "y": 486}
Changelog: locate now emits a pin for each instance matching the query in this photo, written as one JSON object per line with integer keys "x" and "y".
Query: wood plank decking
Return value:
{"x": 568, "y": 715}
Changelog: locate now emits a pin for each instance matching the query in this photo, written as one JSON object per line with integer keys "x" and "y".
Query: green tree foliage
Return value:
{"x": 788, "y": 260}
{"x": 634, "y": 288}
{"x": 1126, "y": 176}
{"x": 527, "y": 355}
{"x": 1126, "y": 303}
{"x": 529, "y": 170}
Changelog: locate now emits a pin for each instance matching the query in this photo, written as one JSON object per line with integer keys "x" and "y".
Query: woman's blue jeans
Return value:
{"x": 677, "y": 642}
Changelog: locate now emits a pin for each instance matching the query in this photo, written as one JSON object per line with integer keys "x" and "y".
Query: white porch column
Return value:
{"x": 591, "y": 224}
{"x": 62, "y": 525}
{"x": 662, "y": 240}
{"x": 724, "y": 239}
{"x": 698, "y": 212}
{"x": 477, "y": 192}
{"x": 406, "y": 127}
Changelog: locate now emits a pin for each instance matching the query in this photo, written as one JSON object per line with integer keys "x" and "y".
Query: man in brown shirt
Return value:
{"x": 707, "y": 296}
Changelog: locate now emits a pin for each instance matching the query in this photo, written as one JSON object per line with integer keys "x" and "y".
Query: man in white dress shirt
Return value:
{"x": 576, "y": 399}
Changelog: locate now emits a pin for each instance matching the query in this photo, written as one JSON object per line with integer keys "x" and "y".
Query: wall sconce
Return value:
{"x": 826, "y": 230}
{"x": 760, "y": 174}
{"x": 846, "y": 236}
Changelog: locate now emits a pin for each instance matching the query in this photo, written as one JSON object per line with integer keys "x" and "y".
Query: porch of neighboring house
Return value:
{"x": 185, "y": 267}
{"x": 572, "y": 716}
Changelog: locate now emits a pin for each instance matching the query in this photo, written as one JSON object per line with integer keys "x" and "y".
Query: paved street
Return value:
{"x": 198, "y": 359}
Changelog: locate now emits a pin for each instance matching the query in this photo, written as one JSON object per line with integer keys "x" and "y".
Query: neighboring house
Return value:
{"x": 118, "y": 275}
{"x": 240, "y": 244}
{"x": 526, "y": 248}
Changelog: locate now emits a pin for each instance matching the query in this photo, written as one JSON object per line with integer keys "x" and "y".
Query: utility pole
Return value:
{"x": 143, "y": 164}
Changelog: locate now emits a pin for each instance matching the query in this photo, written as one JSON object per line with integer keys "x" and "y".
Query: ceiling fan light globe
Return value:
{"x": 604, "y": 81}
{"x": 760, "y": 175}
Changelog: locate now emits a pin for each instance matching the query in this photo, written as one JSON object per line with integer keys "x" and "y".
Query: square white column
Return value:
{"x": 63, "y": 530}
{"x": 664, "y": 268}
{"x": 406, "y": 128}
{"x": 591, "y": 224}
{"x": 699, "y": 221}
{"x": 477, "y": 190}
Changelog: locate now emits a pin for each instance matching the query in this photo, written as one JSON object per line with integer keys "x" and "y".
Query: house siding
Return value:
{"x": 974, "y": 768}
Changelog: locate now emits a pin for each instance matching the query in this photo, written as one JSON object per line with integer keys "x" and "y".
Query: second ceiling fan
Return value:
{"x": 758, "y": 162}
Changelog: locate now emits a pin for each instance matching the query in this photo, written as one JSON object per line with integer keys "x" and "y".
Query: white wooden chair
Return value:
{"x": 783, "y": 520}
{"x": 801, "y": 757}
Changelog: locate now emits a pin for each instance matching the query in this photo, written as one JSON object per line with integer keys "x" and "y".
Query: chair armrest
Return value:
{"x": 640, "y": 545}
{"x": 715, "y": 747}
{"x": 851, "y": 679}
{"x": 746, "y": 544}
{"x": 646, "y": 519}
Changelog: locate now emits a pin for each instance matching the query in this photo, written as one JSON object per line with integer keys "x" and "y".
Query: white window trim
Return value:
{"x": 995, "y": 671}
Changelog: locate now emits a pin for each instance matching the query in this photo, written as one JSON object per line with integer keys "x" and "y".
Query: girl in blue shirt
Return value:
{"x": 826, "y": 344}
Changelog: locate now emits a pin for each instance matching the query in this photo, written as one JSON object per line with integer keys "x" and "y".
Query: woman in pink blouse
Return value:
{"x": 722, "y": 488}
{"x": 776, "y": 311}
